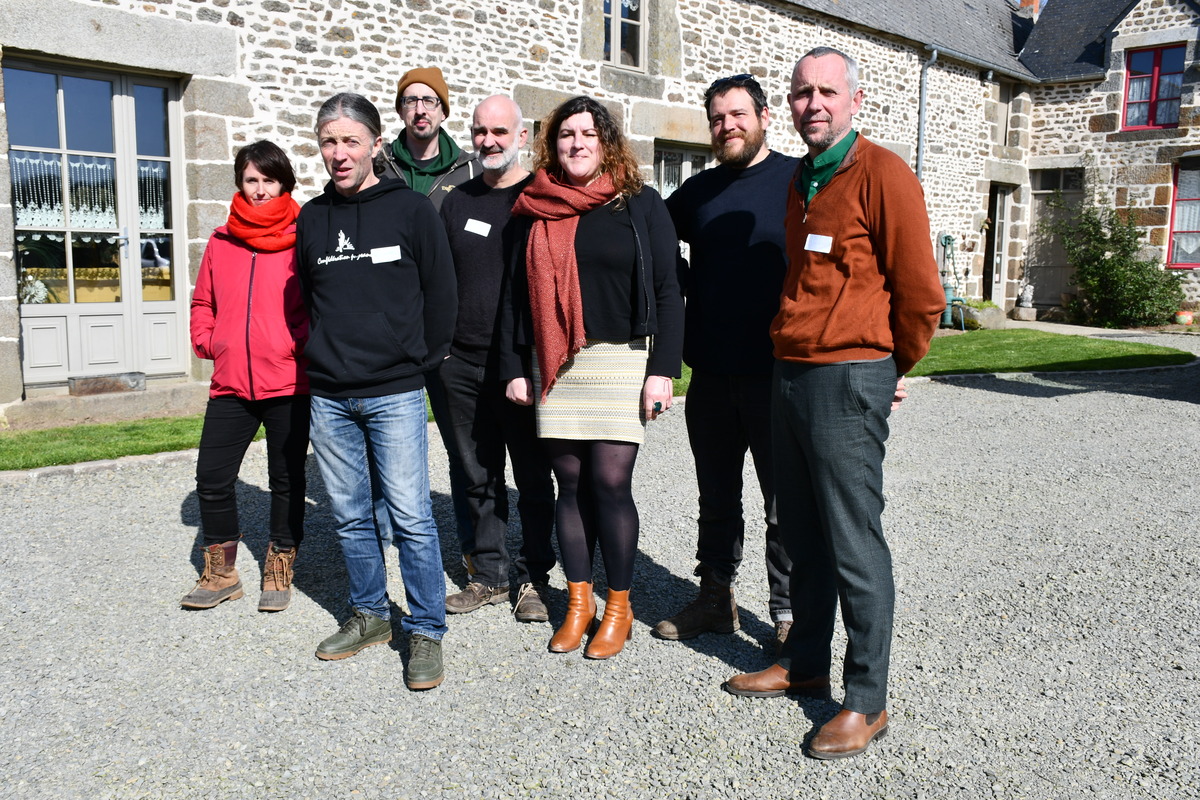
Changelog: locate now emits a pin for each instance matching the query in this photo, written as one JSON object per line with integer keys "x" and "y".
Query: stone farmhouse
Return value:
{"x": 120, "y": 120}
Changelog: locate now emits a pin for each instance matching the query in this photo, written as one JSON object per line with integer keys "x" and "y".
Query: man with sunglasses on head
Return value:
{"x": 423, "y": 155}
{"x": 732, "y": 216}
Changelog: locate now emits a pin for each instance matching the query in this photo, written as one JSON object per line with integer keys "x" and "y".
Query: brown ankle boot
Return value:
{"x": 714, "y": 610}
{"x": 615, "y": 629}
{"x": 277, "y": 578}
{"x": 219, "y": 581}
{"x": 581, "y": 615}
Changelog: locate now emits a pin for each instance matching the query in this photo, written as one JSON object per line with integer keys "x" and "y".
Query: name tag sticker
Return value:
{"x": 478, "y": 226}
{"x": 382, "y": 255}
{"x": 819, "y": 244}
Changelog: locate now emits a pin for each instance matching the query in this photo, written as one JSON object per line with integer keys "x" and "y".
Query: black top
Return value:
{"x": 379, "y": 283}
{"x": 481, "y": 230}
{"x": 733, "y": 219}
{"x": 656, "y": 303}
{"x": 607, "y": 259}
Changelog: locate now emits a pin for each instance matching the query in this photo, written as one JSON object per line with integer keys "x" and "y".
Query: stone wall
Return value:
{"x": 1079, "y": 124}
{"x": 287, "y": 57}
{"x": 293, "y": 55}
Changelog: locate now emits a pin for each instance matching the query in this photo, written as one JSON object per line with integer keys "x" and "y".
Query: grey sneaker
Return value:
{"x": 424, "y": 663}
{"x": 476, "y": 595}
{"x": 360, "y": 631}
{"x": 531, "y": 603}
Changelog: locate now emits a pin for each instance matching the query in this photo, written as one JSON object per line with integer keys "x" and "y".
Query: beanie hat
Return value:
{"x": 431, "y": 77}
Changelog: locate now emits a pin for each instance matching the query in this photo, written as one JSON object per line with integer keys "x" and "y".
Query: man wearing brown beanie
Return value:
{"x": 424, "y": 156}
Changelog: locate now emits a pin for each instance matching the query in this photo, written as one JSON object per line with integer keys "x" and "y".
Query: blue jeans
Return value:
{"x": 360, "y": 440}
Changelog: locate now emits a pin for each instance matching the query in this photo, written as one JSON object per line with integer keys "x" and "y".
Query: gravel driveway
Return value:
{"x": 1047, "y": 644}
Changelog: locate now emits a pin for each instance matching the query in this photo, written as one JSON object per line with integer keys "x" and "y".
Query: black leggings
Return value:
{"x": 595, "y": 502}
{"x": 230, "y": 424}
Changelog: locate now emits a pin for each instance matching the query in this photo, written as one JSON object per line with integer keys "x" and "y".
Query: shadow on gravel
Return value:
{"x": 320, "y": 572}
{"x": 664, "y": 593}
{"x": 1181, "y": 385}
{"x": 657, "y": 593}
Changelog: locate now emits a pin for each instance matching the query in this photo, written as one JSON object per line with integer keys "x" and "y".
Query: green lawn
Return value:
{"x": 1038, "y": 351}
{"x": 972, "y": 352}
{"x": 30, "y": 449}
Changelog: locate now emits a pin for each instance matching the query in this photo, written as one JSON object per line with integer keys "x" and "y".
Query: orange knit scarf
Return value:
{"x": 267, "y": 228}
{"x": 554, "y": 296}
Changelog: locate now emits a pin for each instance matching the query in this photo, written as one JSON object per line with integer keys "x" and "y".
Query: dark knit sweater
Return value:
{"x": 481, "y": 230}
{"x": 734, "y": 221}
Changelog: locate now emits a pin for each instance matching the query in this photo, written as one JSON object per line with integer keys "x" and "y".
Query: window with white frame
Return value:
{"x": 94, "y": 159}
{"x": 625, "y": 33}
{"x": 1153, "y": 85}
{"x": 674, "y": 164}
{"x": 1185, "y": 216}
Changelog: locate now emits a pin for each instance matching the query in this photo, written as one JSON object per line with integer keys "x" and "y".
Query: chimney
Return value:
{"x": 1034, "y": 6}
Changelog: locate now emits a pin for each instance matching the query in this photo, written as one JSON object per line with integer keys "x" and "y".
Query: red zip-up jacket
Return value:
{"x": 249, "y": 318}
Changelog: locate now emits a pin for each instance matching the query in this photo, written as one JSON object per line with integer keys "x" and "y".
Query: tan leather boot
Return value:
{"x": 219, "y": 581}
{"x": 615, "y": 629}
{"x": 581, "y": 615}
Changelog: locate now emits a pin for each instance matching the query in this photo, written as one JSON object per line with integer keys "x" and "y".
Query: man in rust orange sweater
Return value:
{"x": 859, "y": 305}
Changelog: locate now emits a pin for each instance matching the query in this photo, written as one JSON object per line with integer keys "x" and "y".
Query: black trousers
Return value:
{"x": 726, "y": 416}
{"x": 230, "y": 424}
{"x": 482, "y": 424}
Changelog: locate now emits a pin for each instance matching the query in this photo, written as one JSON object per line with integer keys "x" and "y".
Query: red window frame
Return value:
{"x": 1154, "y": 76}
{"x": 1183, "y": 196}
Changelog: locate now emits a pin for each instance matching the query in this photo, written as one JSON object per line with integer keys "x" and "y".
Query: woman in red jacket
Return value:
{"x": 248, "y": 316}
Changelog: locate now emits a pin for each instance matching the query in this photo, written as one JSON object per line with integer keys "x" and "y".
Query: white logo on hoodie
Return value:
{"x": 343, "y": 242}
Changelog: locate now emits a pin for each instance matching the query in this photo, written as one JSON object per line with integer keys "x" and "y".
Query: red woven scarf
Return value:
{"x": 267, "y": 228}
{"x": 550, "y": 264}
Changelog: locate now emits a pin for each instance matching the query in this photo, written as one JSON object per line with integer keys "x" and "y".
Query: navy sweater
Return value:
{"x": 734, "y": 222}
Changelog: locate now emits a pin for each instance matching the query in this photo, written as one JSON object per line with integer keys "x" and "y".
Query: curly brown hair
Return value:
{"x": 616, "y": 156}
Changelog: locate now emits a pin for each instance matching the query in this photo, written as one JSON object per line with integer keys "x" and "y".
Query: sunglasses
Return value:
{"x": 742, "y": 79}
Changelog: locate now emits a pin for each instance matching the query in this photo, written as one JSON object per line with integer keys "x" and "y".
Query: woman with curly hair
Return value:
{"x": 596, "y": 328}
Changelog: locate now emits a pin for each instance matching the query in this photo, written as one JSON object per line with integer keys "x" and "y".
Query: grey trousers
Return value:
{"x": 830, "y": 426}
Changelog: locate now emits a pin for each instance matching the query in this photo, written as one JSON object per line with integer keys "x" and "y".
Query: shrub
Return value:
{"x": 1116, "y": 288}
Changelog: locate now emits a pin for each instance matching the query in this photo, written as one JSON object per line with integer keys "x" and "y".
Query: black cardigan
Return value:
{"x": 657, "y": 302}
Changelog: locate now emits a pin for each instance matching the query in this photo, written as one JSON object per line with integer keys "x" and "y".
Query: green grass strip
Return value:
{"x": 54, "y": 446}
{"x": 1037, "y": 351}
{"x": 973, "y": 352}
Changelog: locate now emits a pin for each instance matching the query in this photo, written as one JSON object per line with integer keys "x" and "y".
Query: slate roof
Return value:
{"x": 1069, "y": 41}
{"x": 985, "y": 31}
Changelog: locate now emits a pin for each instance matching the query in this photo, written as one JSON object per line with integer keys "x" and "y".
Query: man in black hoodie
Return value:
{"x": 379, "y": 281}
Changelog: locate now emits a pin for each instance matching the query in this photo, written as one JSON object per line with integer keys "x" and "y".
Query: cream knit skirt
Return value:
{"x": 598, "y": 395}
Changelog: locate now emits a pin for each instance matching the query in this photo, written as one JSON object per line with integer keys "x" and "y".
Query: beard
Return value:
{"x": 423, "y": 135}
{"x": 823, "y": 137}
{"x": 729, "y": 154}
{"x": 500, "y": 162}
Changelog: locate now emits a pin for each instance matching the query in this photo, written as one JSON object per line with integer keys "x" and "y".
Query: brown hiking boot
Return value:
{"x": 476, "y": 595}
{"x": 531, "y": 602}
{"x": 714, "y": 610}
{"x": 782, "y": 628}
{"x": 218, "y": 582}
{"x": 277, "y": 578}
